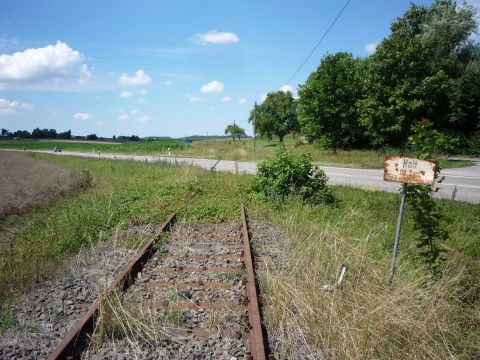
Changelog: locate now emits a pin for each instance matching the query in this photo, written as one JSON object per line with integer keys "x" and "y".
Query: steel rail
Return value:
{"x": 257, "y": 342}
{"x": 73, "y": 342}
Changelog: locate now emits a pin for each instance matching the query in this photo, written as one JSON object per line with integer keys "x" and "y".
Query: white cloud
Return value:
{"x": 122, "y": 117}
{"x": 194, "y": 99}
{"x": 82, "y": 116}
{"x": 84, "y": 74}
{"x": 36, "y": 64}
{"x": 371, "y": 47}
{"x": 144, "y": 119}
{"x": 9, "y": 107}
{"x": 263, "y": 97}
{"x": 242, "y": 101}
{"x": 14, "y": 105}
{"x": 226, "y": 99}
{"x": 286, "y": 88}
{"x": 168, "y": 82}
{"x": 212, "y": 87}
{"x": 125, "y": 94}
{"x": 140, "y": 78}
{"x": 215, "y": 37}
{"x": 142, "y": 92}
{"x": 134, "y": 112}
{"x": 141, "y": 100}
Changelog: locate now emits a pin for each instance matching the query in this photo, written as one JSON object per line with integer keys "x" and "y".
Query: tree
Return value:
{"x": 4, "y": 132}
{"x": 277, "y": 115}
{"x": 327, "y": 102}
{"x": 414, "y": 71}
{"x": 235, "y": 131}
{"x": 92, "y": 137}
{"x": 65, "y": 135}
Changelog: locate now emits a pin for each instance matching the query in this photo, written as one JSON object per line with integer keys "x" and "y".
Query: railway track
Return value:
{"x": 198, "y": 285}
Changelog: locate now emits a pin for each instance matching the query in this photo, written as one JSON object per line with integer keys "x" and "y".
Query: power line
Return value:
{"x": 318, "y": 43}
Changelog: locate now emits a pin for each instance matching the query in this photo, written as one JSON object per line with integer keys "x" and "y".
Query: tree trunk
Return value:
{"x": 280, "y": 137}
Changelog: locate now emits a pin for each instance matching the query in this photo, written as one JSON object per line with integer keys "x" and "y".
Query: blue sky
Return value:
{"x": 166, "y": 68}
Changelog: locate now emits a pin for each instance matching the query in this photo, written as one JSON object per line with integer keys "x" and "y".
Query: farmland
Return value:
{"x": 228, "y": 150}
{"x": 131, "y": 147}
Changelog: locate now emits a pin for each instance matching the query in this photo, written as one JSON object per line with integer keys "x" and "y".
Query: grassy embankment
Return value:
{"x": 414, "y": 318}
{"x": 225, "y": 149}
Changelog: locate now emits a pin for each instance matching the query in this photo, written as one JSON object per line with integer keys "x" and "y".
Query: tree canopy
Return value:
{"x": 235, "y": 131}
{"x": 276, "y": 115}
{"x": 427, "y": 67}
{"x": 326, "y": 107}
{"x": 417, "y": 71}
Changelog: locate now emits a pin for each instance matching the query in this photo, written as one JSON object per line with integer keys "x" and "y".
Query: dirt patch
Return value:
{"x": 27, "y": 181}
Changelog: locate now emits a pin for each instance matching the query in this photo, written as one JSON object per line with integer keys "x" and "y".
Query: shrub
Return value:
{"x": 288, "y": 174}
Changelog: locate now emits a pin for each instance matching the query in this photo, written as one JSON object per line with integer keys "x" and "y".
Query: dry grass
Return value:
{"x": 117, "y": 321}
{"x": 366, "y": 318}
{"x": 28, "y": 182}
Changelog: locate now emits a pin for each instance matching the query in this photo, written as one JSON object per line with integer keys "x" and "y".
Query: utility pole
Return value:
{"x": 234, "y": 127}
{"x": 254, "y": 129}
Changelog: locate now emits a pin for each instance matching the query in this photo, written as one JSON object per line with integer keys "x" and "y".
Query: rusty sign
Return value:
{"x": 409, "y": 170}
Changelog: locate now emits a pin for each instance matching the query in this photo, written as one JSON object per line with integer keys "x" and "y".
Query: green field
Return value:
{"x": 415, "y": 318}
{"x": 228, "y": 150}
{"x": 130, "y": 147}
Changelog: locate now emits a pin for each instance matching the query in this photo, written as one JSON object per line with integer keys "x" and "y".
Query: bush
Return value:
{"x": 288, "y": 174}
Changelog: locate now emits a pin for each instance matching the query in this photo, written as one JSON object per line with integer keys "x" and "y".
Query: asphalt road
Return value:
{"x": 461, "y": 184}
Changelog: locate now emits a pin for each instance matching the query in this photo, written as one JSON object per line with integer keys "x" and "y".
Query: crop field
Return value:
{"x": 228, "y": 150}
{"x": 131, "y": 147}
{"x": 416, "y": 317}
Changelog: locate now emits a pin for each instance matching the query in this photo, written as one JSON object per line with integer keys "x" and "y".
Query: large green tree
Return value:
{"x": 415, "y": 72}
{"x": 326, "y": 106}
{"x": 276, "y": 115}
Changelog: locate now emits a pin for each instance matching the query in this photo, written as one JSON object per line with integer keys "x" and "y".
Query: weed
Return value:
{"x": 6, "y": 320}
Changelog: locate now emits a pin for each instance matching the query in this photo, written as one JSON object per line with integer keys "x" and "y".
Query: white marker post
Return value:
{"x": 407, "y": 171}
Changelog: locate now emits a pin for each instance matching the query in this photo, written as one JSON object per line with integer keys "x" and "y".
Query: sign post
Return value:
{"x": 407, "y": 171}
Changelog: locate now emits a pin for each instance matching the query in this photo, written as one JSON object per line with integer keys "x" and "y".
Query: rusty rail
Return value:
{"x": 72, "y": 343}
{"x": 75, "y": 341}
{"x": 257, "y": 342}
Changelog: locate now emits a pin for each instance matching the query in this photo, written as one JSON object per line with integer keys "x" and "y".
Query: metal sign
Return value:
{"x": 409, "y": 170}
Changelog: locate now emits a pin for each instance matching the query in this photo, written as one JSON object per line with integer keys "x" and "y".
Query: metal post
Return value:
{"x": 397, "y": 233}
{"x": 254, "y": 120}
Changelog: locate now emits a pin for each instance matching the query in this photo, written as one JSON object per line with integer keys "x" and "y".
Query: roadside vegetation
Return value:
{"x": 122, "y": 194}
{"x": 417, "y": 317}
{"x": 242, "y": 150}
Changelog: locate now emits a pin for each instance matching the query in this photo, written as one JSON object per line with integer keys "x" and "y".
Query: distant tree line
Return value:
{"x": 426, "y": 68}
{"x": 36, "y": 133}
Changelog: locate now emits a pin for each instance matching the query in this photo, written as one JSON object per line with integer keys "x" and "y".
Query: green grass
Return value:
{"x": 130, "y": 147}
{"x": 123, "y": 193}
{"x": 227, "y": 150}
{"x": 414, "y": 318}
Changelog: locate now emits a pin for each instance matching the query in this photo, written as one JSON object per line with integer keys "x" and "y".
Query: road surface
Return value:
{"x": 461, "y": 184}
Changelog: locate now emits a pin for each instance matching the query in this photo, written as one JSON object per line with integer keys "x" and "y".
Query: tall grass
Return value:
{"x": 122, "y": 194}
{"x": 365, "y": 318}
